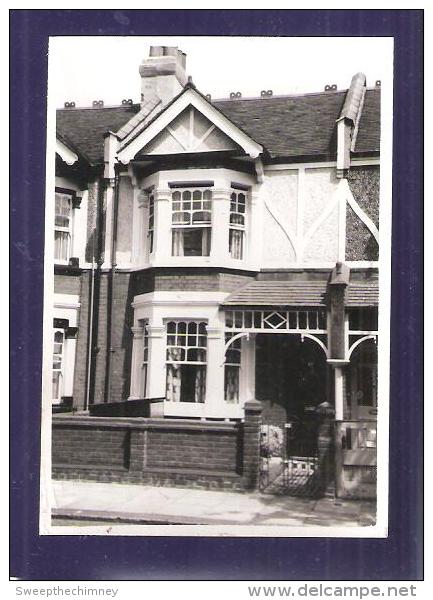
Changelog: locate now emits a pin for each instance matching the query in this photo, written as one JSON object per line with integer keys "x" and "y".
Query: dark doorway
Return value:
{"x": 291, "y": 381}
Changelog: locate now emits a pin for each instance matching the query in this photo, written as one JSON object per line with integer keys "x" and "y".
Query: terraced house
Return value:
{"x": 216, "y": 268}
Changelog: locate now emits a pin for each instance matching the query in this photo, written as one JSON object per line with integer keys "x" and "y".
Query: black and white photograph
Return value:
{"x": 217, "y": 286}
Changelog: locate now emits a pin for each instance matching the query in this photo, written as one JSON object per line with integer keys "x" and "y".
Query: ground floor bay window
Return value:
{"x": 58, "y": 365}
{"x": 64, "y": 337}
{"x": 232, "y": 369}
{"x": 186, "y": 361}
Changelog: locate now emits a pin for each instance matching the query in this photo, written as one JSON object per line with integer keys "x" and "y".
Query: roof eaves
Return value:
{"x": 62, "y": 137}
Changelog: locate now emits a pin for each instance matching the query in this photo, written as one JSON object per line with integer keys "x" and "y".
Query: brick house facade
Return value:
{"x": 209, "y": 253}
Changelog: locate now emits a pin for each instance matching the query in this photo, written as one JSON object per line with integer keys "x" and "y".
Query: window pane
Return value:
{"x": 186, "y": 195}
{"x": 173, "y": 383}
{"x": 236, "y": 244}
{"x": 193, "y": 242}
{"x": 186, "y": 383}
{"x": 192, "y": 327}
{"x": 61, "y": 245}
{"x": 175, "y": 354}
{"x": 196, "y": 355}
{"x": 231, "y": 384}
{"x": 56, "y": 385}
{"x": 196, "y": 195}
{"x": 202, "y": 341}
{"x": 192, "y": 340}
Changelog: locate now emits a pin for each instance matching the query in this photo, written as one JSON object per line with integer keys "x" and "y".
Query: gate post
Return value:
{"x": 325, "y": 445}
{"x": 251, "y": 445}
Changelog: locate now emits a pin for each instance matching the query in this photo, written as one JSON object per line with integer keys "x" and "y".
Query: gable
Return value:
{"x": 189, "y": 124}
{"x": 190, "y": 131}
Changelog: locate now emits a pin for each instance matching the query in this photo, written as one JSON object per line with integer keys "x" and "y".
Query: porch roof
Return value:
{"x": 300, "y": 293}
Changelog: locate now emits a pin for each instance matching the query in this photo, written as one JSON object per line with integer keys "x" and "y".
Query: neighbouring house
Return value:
{"x": 213, "y": 253}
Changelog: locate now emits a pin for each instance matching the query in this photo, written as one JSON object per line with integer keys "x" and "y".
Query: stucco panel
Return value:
{"x": 320, "y": 185}
{"x": 281, "y": 190}
{"x": 323, "y": 245}
{"x": 124, "y": 232}
{"x": 277, "y": 249}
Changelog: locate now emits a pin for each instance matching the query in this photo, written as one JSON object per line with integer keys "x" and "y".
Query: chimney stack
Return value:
{"x": 163, "y": 73}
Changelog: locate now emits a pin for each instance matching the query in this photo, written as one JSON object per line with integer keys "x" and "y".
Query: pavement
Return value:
{"x": 78, "y": 502}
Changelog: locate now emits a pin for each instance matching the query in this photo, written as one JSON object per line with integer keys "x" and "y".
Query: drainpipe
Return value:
{"x": 110, "y": 306}
{"x": 90, "y": 328}
{"x": 94, "y": 294}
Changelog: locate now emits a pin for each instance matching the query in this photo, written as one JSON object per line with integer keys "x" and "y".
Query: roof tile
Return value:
{"x": 300, "y": 293}
{"x": 289, "y": 127}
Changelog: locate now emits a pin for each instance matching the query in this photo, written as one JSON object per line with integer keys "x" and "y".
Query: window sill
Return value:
{"x": 66, "y": 269}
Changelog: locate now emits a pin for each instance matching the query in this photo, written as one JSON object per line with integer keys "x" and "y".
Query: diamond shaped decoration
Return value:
{"x": 275, "y": 320}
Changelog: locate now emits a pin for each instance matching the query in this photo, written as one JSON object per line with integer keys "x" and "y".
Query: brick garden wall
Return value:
{"x": 170, "y": 452}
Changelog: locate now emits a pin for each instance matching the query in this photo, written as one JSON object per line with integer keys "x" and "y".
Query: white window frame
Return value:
{"x": 150, "y": 221}
{"x": 185, "y": 349}
{"x": 234, "y": 351}
{"x": 144, "y": 358}
{"x": 179, "y": 206}
{"x": 56, "y": 399}
{"x": 66, "y": 307}
{"x": 236, "y": 214}
{"x": 65, "y": 231}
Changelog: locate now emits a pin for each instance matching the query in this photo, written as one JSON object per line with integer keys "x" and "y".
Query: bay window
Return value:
{"x": 145, "y": 358}
{"x": 150, "y": 221}
{"x": 237, "y": 224}
{"x": 58, "y": 359}
{"x": 191, "y": 222}
{"x": 63, "y": 224}
{"x": 232, "y": 371}
{"x": 186, "y": 361}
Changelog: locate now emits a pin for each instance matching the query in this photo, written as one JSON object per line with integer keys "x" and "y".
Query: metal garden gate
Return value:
{"x": 289, "y": 461}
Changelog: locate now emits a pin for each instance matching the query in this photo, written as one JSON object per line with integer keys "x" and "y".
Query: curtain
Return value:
{"x": 200, "y": 379}
{"x": 236, "y": 239}
{"x": 173, "y": 383}
{"x": 231, "y": 384}
{"x": 177, "y": 242}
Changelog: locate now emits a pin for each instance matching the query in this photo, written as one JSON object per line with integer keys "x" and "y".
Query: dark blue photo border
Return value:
{"x": 34, "y": 557}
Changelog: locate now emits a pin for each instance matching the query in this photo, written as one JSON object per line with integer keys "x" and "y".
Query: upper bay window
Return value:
{"x": 237, "y": 224}
{"x": 191, "y": 222}
{"x": 150, "y": 221}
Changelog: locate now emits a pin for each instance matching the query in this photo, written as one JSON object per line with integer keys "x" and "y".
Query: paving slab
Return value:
{"x": 91, "y": 501}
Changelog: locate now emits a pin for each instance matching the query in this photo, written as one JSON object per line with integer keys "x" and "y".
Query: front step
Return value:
{"x": 330, "y": 491}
